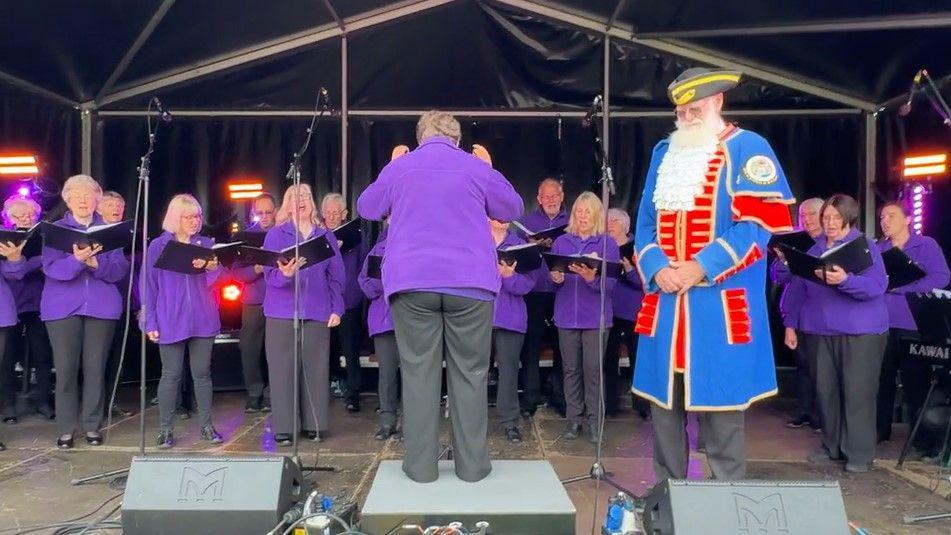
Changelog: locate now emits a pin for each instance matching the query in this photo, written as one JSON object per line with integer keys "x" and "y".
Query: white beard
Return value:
{"x": 682, "y": 171}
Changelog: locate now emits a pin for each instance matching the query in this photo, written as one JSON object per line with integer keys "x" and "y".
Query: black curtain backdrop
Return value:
{"x": 201, "y": 156}
{"x": 32, "y": 124}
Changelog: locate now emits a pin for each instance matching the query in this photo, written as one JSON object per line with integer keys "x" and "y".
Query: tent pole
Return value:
{"x": 86, "y": 116}
{"x": 869, "y": 184}
{"x": 606, "y": 102}
{"x": 494, "y": 113}
{"x": 344, "y": 141}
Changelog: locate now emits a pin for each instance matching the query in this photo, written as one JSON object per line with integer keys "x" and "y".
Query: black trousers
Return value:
{"x": 30, "y": 333}
{"x": 251, "y": 344}
{"x": 847, "y": 372}
{"x": 888, "y": 383}
{"x": 433, "y": 328}
{"x": 345, "y": 340}
{"x": 622, "y": 332}
{"x": 113, "y": 371}
{"x": 540, "y": 329}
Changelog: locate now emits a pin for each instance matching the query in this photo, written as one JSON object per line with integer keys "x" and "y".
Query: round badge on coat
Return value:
{"x": 760, "y": 169}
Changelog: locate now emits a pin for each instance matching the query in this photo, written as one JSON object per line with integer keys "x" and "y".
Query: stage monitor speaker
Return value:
{"x": 745, "y": 508}
{"x": 234, "y": 495}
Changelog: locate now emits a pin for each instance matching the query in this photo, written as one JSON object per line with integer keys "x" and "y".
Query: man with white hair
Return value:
{"x": 807, "y": 413}
{"x": 712, "y": 196}
{"x": 441, "y": 276}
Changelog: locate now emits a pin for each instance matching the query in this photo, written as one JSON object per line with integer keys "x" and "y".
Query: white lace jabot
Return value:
{"x": 681, "y": 175}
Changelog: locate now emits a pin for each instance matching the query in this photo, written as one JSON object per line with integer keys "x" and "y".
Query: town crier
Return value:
{"x": 713, "y": 195}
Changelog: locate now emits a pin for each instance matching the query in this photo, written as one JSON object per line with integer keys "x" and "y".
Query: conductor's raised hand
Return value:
{"x": 481, "y": 153}
{"x": 398, "y": 151}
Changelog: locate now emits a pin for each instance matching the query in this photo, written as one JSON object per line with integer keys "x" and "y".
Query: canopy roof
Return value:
{"x": 469, "y": 54}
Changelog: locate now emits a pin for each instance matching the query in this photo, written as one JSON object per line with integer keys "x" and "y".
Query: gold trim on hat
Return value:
{"x": 690, "y": 84}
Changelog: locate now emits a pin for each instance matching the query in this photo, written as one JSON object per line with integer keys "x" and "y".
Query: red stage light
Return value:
{"x": 231, "y": 292}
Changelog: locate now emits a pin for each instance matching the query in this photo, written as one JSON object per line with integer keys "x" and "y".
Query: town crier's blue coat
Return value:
{"x": 724, "y": 342}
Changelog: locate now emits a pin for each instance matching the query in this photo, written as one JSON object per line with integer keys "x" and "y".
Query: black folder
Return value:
{"x": 251, "y": 238}
{"x": 315, "y": 250}
{"x": 799, "y": 240}
{"x": 349, "y": 235}
{"x": 374, "y": 266}
{"x": 34, "y": 243}
{"x": 110, "y": 237}
{"x": 853, "y": 256}
{"x": 547, "y": 234}
{"x": 901, "y": 269}
{"x": 558, "y": 262}
{"x": 627, "y": 251}
{"x": 528, "y": 256}
{"x": 177, "y": 256}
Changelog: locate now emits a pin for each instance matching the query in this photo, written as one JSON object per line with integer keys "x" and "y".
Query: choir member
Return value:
{"x": 12, "y": 267}
{"x": 29, "y": 335}
{"x": 440, "y": 275}
{"x": 578, "y": 313}
{"x": 333, "y": 212}
{"x": 806, "y": 413}
{"x": 843, "y": 323}
{"x": 181, "y": 313}
{"x": 628, "y": 295}
{"x": 80, "y": 305}
{"x": 251, "y": 342}
{"x": 112, "y": 210}
{"x": 540, "y": 303}
{"x": 380, "y": 327}
{"x": 321, "y": 307}
{"x": 924, "y": 251}
{"x": 510, "y": 320}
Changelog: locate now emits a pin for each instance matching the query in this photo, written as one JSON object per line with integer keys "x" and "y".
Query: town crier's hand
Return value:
{"x": 690, "y": 273}
{"x": 668, "y": 280}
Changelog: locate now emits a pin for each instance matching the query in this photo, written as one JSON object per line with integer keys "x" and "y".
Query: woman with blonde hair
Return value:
{"x": 578, "y": 312}
{"x": 321, "y": 307}
{"x": 80, "y": 305}
{"x": 182, "y": 313}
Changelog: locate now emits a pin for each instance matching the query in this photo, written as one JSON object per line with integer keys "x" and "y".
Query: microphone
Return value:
{"x": 905, "y": 108}
{"x": 164, "y": 113}
{"x": 592, "y": 111}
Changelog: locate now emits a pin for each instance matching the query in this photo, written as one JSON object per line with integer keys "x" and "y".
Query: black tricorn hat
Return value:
{"x": 698, "y": 82}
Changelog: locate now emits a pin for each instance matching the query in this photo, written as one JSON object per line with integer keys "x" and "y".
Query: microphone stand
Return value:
{"x": 143, "y": 195}
{"x": 936, "y": 100}
{"x": 598, "y": 472}
{"x": 321, "y": 106}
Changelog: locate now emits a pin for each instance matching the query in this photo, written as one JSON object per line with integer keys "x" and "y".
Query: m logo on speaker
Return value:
{"x": 764, "y": 516}
{"x": 199, "y": 487}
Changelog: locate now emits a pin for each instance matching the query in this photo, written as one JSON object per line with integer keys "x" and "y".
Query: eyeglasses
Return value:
{"x": 192, "y": 217}
{"x": 692, "y": 111}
